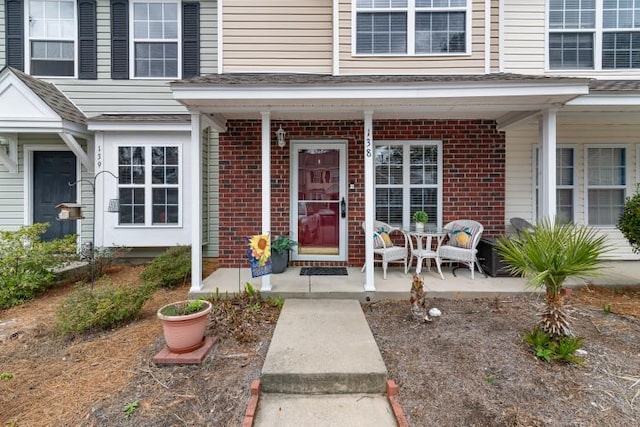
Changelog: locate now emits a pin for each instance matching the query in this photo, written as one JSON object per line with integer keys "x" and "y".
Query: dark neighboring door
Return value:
{"x": 52, "y": 173}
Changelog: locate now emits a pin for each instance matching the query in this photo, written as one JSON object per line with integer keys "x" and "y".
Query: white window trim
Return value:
{"x": 598, "y": 31}
{"x": 149, "y": 186}
{"x": 628, "y": 176}
{"x": 411, "y": 28}
{"x": 406, "y": 171}
{"x": 132, "y": 40}
{"x": 536, "y": 179}
{"x": 27, "y": 44}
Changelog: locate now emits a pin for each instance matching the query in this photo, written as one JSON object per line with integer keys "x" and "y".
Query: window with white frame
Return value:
{"x": 606, "y": 184}
{"x": 594, "y": 34}
{"x": 408, "y": 27}
{"x": 408, "y": 179}
{"x": 565, "y": 183}
{"x": 155, "y": 41}
{"x": 149, "y": 185}
{"x": 52, "y": 37}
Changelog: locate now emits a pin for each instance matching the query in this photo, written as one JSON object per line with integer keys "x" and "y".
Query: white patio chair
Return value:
{"x": 461, "y": 243}
{"x": 385, "y": 250}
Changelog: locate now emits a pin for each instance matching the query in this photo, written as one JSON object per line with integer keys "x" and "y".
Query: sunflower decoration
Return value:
{"x": 260, "y": 249}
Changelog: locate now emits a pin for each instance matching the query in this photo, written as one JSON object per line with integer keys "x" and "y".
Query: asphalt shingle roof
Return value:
{"x": 53, "y": 97}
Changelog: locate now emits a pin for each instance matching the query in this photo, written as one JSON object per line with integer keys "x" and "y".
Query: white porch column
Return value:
{"x": 547, "y": 162}
{"x": 266, "y": 185}
{"x": 196, "y": 204}
{"x": 369, "y": 214}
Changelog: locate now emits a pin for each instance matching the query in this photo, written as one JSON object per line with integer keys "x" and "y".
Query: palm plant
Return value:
{"x": 547, "y": 255}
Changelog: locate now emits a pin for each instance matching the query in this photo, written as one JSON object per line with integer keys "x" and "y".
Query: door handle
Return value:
{"x": 343, "y": 208}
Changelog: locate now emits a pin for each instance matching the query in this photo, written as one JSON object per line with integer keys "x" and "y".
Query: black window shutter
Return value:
{"x": 87, "y": 40}
{"x": 14, "y": 33}
{"x": 119, "y": 39}
{"x": 190, "y": 39}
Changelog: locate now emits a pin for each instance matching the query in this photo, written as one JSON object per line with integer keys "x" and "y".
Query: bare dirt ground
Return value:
{"x": 468, "y": 368}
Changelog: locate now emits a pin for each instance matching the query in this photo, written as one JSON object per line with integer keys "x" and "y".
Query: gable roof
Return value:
{"x": 52, "y": 96}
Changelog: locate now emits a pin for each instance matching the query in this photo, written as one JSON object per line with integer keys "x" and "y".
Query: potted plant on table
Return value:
{"x": 184, "y": 323}
{"x": 420, "y": 218}
{"x": 280, "y": 247}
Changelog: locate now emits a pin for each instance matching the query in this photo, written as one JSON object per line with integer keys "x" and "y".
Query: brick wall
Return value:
{"x": 473, "y": 176}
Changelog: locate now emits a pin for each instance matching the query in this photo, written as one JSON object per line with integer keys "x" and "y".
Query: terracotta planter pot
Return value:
{"x": 184, "y": 333}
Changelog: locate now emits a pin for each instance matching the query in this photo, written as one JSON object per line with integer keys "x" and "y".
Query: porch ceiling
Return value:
{"x": 296, "y": 96}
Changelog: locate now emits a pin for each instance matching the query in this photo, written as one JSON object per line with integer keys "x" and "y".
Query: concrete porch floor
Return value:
{"x": 397, "y": 285}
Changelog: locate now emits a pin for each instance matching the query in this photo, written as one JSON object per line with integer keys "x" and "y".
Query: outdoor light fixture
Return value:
{"x": 280, "y": 137}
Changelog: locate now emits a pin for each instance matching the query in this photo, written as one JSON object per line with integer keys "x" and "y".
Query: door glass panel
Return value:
{"x": 319, "y": 201}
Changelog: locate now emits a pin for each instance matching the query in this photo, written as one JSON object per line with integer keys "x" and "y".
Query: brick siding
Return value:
{"x": 473, "y": 176}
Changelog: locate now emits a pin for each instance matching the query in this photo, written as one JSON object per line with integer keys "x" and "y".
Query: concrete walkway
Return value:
{"x": 323, "y": 368}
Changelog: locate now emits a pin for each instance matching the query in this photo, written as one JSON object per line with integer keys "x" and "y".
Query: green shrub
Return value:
{"x": 170, "y": 269}
{"x": 629, "y": 222}
{"x": 87, "y": 310}
{"x": 549, "y": 349}
{"x": 26, "y": 262}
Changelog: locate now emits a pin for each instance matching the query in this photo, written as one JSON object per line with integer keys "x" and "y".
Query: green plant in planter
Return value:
{"x": 190, "y": 307}
{"x": 421, "y": 217}
{"x": 282, "y": 244}
{"x": 280, "y": 247}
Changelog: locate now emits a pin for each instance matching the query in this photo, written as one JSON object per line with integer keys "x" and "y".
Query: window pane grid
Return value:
{"x": 397, "y": 200}
{"x": 617, "y": 31}
{"x": 439, "y": 26}
{"x": 155, "y": 39}
{"x": 440, "y": 32}
{"x": 621, "y": 50}
{"x": 52, "y": 32}
{"x": 161, "y": 163}
{"x": 571, "y": 50}
{"x": 606, "y": 179}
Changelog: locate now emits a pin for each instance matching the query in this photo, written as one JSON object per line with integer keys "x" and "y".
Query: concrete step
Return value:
{"x": 323, "y": 346}
{"x": 332, "y": 410}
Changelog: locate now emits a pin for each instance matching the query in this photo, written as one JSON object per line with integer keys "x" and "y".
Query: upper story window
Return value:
{"x": 594, "y": 34}
{"x": 411, "y": 27}
{"x": 52, "y": 37}
{"x": 155, "y": 42}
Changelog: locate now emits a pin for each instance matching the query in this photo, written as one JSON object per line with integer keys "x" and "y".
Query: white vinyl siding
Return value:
{"x": 588, "y": 129}
{"x": 277, "y": 36}
{"x": 12, "y": 192}
{"x": 524, "y": 36}
{"x": 107, "y": 96}
{"x": 211, "y": 192}
{"x": 471, "y": 63}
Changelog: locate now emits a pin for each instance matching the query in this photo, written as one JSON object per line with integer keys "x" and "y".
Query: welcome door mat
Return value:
{"x": 323, "y": 271}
